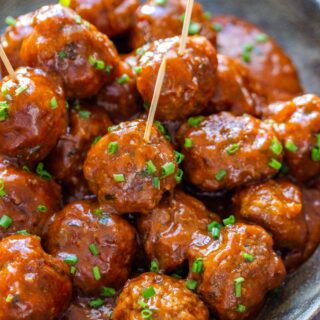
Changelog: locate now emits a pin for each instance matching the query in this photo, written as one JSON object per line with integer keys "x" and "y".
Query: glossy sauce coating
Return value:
{"x": 172, "y": 300}
{"x": 297, "y": 122}
{"x": 110, "y": 17}
{"x": 35, "y": 110}
{"x": 82, "y": 224}
{"x": 190, "y": 79}
{"x": 73, "y": 51}
{"x": 228, "y": 151}
{"x": 119, "y": 175}
{"x": 33, "y": 284}
{"x": 28, "y": 200}
{"x": 87, "y": 122}
{"x": 267, "y": 62}
{"x": 225, "y": 263}
{"x": 276, "y": 206}
{"x": 155, "y": 20}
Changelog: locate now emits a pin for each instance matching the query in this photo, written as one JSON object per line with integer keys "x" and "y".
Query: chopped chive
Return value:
{"x": 92, "y": 60}
{"x": 142, "y": 304}
{"x": 191, "y": 284}
{"x": 217, "y": 27}
{"x": 2, "y": 191}
{"x": 24, "y": 232}
{"x": 65, "y": 3}
{"x": 179, "y": 157}
{"x": 100, "y": 65}
{"x": 96, "y": 303}
{"x": 71, "y": 259}
{"x": 148, "y": 292}
{"x": 249, "y": 257}
{"x": 194, "y": 28}
{"x": 315, "y": 154}
{"x": 146, "y": 105}
{"x": 73, "y": 270}
{"x": 156, "y": 183}
{"x": 146, "y": 314}
{"x": 207, "y": 15}
{"x": 195, "y": 121}
{"x": 96, "y": 140}
{"x": 233, "y": 148}
{"x": 84, "y": 114}
{"x": 138, "y": 70}
{"x": 54, "y": 103}
{"x": 78, "y": 19}
{"x": 10, "y": 21}
{"x": 214, "y": 224}
{"x": 188, "y": 143}
{"x": 246, "y": 57}
{"x": 290, "y": 146}
{"x": 237, "y": 286}
{"x": 123, "y": 79}
{"x": 9, "y": 298}
{"x": 118, "y": 177}
{"x": 154, "y": 267}
{"x": 96, "y": 273}
{"x": 276, "y": 146}
{"x": 161, "y": 2}
{"x": 5, "y": 221}
{"x": 140, "y": 51}
{"x": 262, "y": 37}
{"x": 21, "y": 89}
{"x": 220, "y": 174}
{"x": 275, "y": 164}
{"x": 93, "y": 249}
{"x": 44, "y": 174}
{"x": 62, "y": 54}
{"x": 241, "y": 308}
{"x": 108, "y": 292}
{"x": 25, "y": 168}
{"x": 167, "y": 169}
{"x": 197, "y": 266}
{"x": 4, "y": 111}
{"x": 113, "y": 128}
{"x": 151, "y": 168}
{"x": 97, "y": 211}
{"x": 108, "y": 69}
{"x": 42, "y": 208}
{"x": 179, "y": 176}
{"x": 248, "y": 47}
{"x": 230, "y": 220}
{"x": 113, "y": 147}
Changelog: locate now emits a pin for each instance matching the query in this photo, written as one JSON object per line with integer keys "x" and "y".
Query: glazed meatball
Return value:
{"x": 100, "y": 246}
{"x": 27, "y": 201}
{"x": 190, "y": 79}
{"x": 172, "y": 227}
{"x": 86, "y": 126}
{"x": 164, "y": 19}
{"x": 71, "y": 50}
{"x": 121, "y": 98}
{"x": 297, "y": 123}
{"x": 277, "y": 207}
{"x": 266, "y": 61}
{"x": 33, "y": 284}
{"x": 236, "y": 91}
{"x": 225, "y": 151}
{"x": 161, "y": 297}
{"x": 12, "y": 39}
{"x": 112, "y": 17}
{"x": 236, "y": 274}
{"x": 127, "y": 172}
{"x": 31, "y": 110}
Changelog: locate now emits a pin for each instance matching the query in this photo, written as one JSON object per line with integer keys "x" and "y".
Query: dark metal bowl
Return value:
{"x": 296, "y": 25}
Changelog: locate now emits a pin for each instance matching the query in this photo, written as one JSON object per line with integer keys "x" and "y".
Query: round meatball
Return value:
{"x": 162, "y": 297}
{"x": 277, "y": 207}
{"x": 297, "y": 122}
{"x": 236, "y": 275}
{"x": 172, "y": 227}
{"x": 33, "y": 284}
{"x": 110, "y": 17}
{"x": 12, "y": 39}
{"x": 236, "y": 91}
{"x": 27, "y": 201}
{"x": 266, "y": 61}
{"x": 71, "y": 50}
{"x": 164, "y": 19}
{"x": 127, "y": 172}
{"x": 32, "y": 109}
{"x": 100, "y": 246}
{"x": 121, "y": 98}
{"x": 190, "y": 79}
{"x": 225, "y": 151}
{"x": 87, "y": 123}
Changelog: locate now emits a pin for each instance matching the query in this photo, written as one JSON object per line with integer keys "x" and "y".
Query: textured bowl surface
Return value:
{"x": 296, "y": 25}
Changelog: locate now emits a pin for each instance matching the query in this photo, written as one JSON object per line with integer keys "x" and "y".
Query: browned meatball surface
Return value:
{"x": 172, "y": 227}
{"x": 87, "y": 123}
{"x": 238, "y": 271}
{"x": 159, "y": 296}
{"x": 236, "y": 90}
{"x": 297, "y": 122}
{"x": 110, "y": 17}
{"x": 225, "y": 151}
{"x": 32, "y": 109}
{"x": 33, "y": 284}
{"x": 127, "y": 172}
{"x": 71, "y": 50}
{"x": 277, "y": 207}
{"x": 267, "y": 62}
{"x": 98, "y": 245}
{"x": 27, "y": 201}
{"x": 164, "y": 19}
{"x": 190, "y": 79}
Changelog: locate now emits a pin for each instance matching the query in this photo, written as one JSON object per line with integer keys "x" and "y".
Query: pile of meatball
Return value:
{"x": 204, "y": 220}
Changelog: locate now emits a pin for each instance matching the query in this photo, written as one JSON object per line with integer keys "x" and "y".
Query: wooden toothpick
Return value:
{"x": 7, "y": 63}
{"x": 155, "y": 98}
{"x": 185, "y": 29}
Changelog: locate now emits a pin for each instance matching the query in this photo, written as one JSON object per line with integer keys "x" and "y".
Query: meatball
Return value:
{"x": 27, "y": 201}
{"x": 87, "y": 124}
{"x": 236, "y": 90}
{"x": 110, "y": 17}
{"x": 172, "y": 227}
{"x": 297, "y": 123}
{"x": 33, "y": 284}
{"x": 161, "y": 297}
{"x": 121, "y": 98}
{"x": 127, "y": 172}
{"x": 164, "y": 19}
{"x": 236, "y": 274}
{"x": 265, "y": 59}
{"x": 71, "y": 50}
{"x": 225, "y": 151}
{"x": 277, "y": 207}
{"x": 190, "y": 79}
{"x": 99, "y": 246}
{"x": 31, "y": 110}
{"x": 12, "y": 39}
